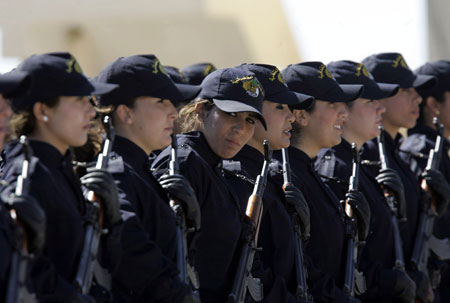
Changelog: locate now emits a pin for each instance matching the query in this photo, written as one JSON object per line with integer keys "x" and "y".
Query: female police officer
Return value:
{"x": 55, "y": 114}
{"x": 383, "y": 283}
{"x": 317, "y": 127}
{"x": 218, "y": 124}
{"x": 143, "y": 117}
{"x": 276, "y": 237}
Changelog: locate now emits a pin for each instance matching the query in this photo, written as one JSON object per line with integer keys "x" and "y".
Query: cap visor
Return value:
{"x": 388, "y": 90}
{"x": 293, "y": 99}
{"x": 231, "y": 106}
{"x": 102, "y": 88}
{"x": 189, "y": 92}
{"x": 424, "y": 82}
{"x": 14, "y": 83}
{"x": 343, "y": 93}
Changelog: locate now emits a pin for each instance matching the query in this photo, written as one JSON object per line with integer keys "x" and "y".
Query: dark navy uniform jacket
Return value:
{"x": 377, "y": 258}
{"x": 6, "y": 247}
{"x": 58, "y": 191}
{"x": 146, "y": 271}
{"x": 143, "y": 194}
{"x": 276, "y": 236}
{"x": 410, "y": 184}
{"x": 216, "y": 246}
{"x": 324, "y": 249}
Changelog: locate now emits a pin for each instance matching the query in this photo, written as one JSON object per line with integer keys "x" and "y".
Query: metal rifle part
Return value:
{"x": 17, "y": 291}
{"x": 187, "y": 273}
{"x": 300, "y": 271}
{"x": 94, "y": 218}
{"x": 392, "y": 203}
{"x": 243, "y": 280}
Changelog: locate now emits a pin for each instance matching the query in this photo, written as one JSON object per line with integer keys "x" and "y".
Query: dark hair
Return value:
{"x": 439, "y": 96}
{"x": 23, "y": 122}
{"x": 297, "y": 129}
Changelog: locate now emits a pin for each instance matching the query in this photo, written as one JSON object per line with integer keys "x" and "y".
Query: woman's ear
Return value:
{"x": 433, "y": 105}
{"x": 40, "y": 112}
{"x": 301, "y": 117}
{"x": 199, "y": 110}
{"x": 124, "y": 114}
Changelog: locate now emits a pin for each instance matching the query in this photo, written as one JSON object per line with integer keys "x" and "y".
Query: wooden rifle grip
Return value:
{"x": 93, "y": 198}
{"x": 426, "y": 188}
{"x": 13, "y": 215}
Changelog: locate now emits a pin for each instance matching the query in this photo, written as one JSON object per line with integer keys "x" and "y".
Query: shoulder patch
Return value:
{"x": 116, "y": 165}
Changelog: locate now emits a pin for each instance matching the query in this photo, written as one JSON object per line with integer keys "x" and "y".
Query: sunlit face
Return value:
{"x": 444, "y": 113}
{"x": 152, "y": 123}
{"x": 363, "y": 119}
{"x": 5, "y": 114}
{"x": 402, "y": 110}
{"x": 325, "y": 122}
{"x": 278, "y": 118}
{"x": 226, "y": 133}
{"x": 69, "y": 122}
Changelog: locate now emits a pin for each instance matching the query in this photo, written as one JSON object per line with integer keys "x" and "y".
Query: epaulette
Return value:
{"x": 414, "y": 154}
{"x": 327, "y": 164}
{"x": 18, "y": 163}
{"x": 116, "y": 165}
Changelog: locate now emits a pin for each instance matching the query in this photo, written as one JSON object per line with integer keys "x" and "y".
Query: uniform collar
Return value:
{"x": 198, "y": 142}
{"x": 299, "y": 155}
{"x": 131, "y": 153}
{"x": 343, "y": 151}
{"x": 249, "y": 154}
{"x": 423, "y": 129}
{"x": 49, "y": 155}
{"x": 392, "y": 144}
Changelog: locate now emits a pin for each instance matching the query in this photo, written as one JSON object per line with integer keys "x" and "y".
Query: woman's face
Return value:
{"x": 324, "y": 128}
{"x": 363, "y": 119}
{"x": 226, "y": 133}
{"x": 5, "y": 114}
{"x": 444, "y": 113}
{"x": 69, "y": 122}
{"x": 278, "y": 119}
{"x": 153, "y": 122}
{"x": 402, "y": 110}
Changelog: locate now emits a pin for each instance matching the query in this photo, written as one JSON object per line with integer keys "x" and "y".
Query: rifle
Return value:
{"x": 392, "y": 202}
{"x": 350, "y": 231}
{"x": 16, "y": 290}
{"x": 300, "y": 271}
{"x": 420, "y": 253}
{"x": 186, "y": 271}
{"x": 94, "y": 218}
{"x": 243, "y": 279}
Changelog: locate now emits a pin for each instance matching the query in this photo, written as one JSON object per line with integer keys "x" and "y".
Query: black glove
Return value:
{"x": 423, "y": 287}
{"x": 102, "y": 184}
{"x": 180, "y": 188}
{"x": 32, "y": 216}
{"x": 388, "y": 178}
{"x": 404, "y": 287}
{"x": 439, "y": 188}
{"x": 361, "y": 210}
{"x": 296, "y": 202}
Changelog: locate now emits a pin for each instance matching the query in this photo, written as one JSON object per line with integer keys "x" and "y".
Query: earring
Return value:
{"x": 45, "y": 118}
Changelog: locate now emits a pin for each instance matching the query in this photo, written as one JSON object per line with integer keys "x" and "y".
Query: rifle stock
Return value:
{"x": 243, "y": 280}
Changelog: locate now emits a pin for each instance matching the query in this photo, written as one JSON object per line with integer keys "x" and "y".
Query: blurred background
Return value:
{"x": 223, "y": 32}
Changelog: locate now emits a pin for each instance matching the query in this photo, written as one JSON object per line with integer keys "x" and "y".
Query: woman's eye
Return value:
{"x": 232, "y": 114}
{"x": 280, "y": 106}
{"x": 251, "y": 120}
{"x": 160, "y": 101}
